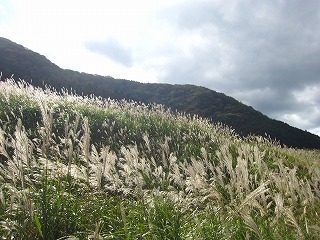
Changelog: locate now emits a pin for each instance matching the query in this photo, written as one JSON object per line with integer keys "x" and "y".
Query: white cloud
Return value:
{"x": 113, "y": 50}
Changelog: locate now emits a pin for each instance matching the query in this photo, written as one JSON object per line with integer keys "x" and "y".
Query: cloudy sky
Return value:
{"x": 264, "y": 53}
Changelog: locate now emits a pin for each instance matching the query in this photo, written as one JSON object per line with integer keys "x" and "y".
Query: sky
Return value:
{"x": 263, "y": 53}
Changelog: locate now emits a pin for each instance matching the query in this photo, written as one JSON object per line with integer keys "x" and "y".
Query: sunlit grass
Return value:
{"x": 74, "y": 167}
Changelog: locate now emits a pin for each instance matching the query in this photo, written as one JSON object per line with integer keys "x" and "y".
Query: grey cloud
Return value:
{"x": 272, "y": 49}
{"x": 112, "y": 49}
{"x": 310, "y": 98}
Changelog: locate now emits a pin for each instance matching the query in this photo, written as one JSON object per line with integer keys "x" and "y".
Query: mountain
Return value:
{"x": 34, "y": 68}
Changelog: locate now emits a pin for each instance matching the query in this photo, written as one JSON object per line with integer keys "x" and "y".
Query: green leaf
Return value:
{"x": 38, "y": 224}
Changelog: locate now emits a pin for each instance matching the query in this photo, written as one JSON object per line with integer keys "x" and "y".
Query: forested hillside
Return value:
{"x": 39, "y": 71}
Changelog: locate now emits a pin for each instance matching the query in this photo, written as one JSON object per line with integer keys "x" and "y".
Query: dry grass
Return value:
{"x": 154, "y": 164}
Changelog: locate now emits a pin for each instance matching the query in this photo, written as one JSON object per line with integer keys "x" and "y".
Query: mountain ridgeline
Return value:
{"x": 39, "y": 71}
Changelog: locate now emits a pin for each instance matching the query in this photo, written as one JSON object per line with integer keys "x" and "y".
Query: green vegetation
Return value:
{"x": 194, "y": 100}
{"x": 75, "y": 167}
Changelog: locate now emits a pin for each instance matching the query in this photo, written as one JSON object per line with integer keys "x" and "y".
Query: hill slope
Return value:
{"x": 27, "y": 65}
{"x": 75, "y": 167}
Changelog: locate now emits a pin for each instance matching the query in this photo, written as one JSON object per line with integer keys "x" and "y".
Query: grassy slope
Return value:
{"x": 94, "y": 168}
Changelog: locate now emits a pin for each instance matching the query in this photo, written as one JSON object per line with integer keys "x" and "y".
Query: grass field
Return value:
{"x": 75, "y": 167}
